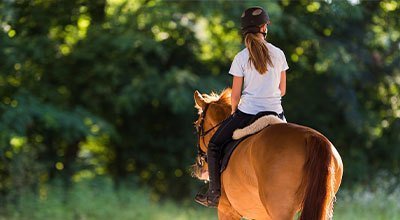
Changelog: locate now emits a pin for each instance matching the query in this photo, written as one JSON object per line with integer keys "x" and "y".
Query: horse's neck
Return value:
{"x": 218, "y": 114}
{"x": 227, "y": 112}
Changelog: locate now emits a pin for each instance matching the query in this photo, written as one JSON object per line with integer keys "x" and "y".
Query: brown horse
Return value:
{"x": 275, "y": 173}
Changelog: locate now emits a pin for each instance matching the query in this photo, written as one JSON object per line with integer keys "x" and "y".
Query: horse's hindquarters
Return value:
{"x": 264, "y": 176}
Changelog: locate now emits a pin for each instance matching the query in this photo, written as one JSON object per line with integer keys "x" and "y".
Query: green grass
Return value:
{"x": 87, "y": 201}
{"x": 368, "y": 205}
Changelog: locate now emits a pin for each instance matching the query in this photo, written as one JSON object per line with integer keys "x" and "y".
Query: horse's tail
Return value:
{"x": 318, "y": 193}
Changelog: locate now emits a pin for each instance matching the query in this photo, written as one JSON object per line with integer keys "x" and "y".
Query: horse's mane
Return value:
{"x": 224, "y": 98}
{"x": 221, "y": 104}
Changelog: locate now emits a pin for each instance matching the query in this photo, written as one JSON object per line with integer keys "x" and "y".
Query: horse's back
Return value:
{"x": 267, "y": 168}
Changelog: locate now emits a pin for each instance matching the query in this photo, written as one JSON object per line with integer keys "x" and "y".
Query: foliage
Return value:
{"x": 346, "y": 73}
{"x": 104, "y": 88}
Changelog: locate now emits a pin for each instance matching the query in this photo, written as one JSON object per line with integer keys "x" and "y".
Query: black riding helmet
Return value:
{"x": 252, "y": 18}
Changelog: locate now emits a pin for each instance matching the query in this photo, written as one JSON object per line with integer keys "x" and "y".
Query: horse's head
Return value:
{"x": 212, "y": 110}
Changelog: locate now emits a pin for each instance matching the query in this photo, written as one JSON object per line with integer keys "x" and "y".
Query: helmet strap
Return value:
{"x": 264, "y": 33}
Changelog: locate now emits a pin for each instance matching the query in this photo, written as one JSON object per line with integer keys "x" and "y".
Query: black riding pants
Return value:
{"x": 224, "y": 133}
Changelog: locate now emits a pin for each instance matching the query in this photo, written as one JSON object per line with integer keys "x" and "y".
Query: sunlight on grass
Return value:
{"x": 368, "y": 205}
{"x": 98, "y": 199}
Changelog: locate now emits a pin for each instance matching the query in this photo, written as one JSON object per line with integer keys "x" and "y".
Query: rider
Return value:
{"x": 259, "y": 82}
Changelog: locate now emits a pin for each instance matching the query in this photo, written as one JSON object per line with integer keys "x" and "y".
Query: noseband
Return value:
{"x": 202, "y": 155}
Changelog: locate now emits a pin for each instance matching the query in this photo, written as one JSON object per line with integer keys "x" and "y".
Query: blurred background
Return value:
{"x": 97, "y": 110}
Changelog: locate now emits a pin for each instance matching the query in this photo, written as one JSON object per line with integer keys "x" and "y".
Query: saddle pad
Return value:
{"x": 256, "y": 126}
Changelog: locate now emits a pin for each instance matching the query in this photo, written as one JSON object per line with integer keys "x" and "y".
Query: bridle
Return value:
{"x": 201, "y": 155}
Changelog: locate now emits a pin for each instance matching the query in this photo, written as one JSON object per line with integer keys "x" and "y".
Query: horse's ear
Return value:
{"x": 199, "y": 100}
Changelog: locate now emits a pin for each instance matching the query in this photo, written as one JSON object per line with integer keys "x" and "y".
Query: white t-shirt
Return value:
{"x": 260, "y": 92}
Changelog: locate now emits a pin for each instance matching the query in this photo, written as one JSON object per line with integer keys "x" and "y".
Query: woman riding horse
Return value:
{"x": 259, "y": 82}
{"x": 282, "y": 169}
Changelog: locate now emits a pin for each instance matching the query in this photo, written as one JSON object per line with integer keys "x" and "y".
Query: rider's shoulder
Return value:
{"x": 242, "y": 54}
{"x": 274, "y": 48}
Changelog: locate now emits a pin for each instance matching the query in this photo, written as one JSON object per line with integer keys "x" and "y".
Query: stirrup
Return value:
{"x": 207, "y": 200}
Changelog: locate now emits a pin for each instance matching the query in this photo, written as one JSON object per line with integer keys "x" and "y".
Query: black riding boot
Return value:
{"x": 211, "y": 198}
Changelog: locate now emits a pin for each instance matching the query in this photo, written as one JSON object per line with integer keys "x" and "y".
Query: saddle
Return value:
{"x": 260, "y": 121}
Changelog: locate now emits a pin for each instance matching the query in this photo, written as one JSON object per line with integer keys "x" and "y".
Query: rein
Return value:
{"x": 200, "y": 135}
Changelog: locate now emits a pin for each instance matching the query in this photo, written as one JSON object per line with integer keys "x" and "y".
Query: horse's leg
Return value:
{"x": 225, "y": 209}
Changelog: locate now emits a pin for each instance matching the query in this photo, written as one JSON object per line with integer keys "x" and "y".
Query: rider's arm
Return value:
{"x": 236, "y": 92}
{"x": 282, "y": 84}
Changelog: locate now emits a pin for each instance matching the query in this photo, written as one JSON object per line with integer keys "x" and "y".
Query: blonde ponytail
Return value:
{"x": 258, "y": 53}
